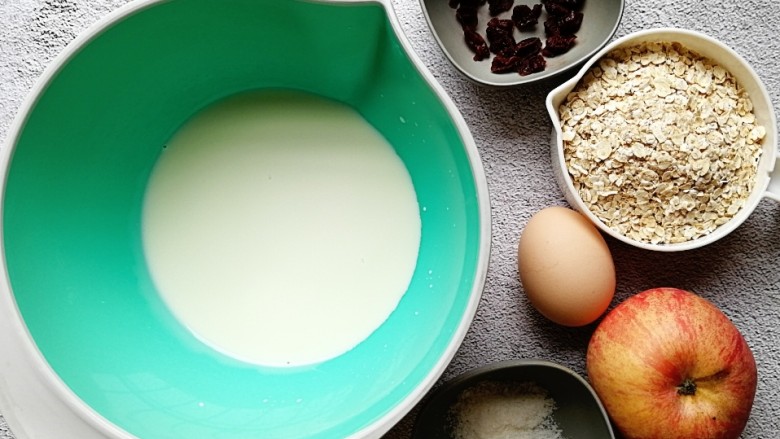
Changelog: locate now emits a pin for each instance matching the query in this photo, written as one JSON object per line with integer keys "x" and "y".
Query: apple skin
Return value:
{"x": 646, "y": 353}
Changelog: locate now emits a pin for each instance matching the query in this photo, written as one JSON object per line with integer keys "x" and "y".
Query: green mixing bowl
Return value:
{"x": 90, "y": 341}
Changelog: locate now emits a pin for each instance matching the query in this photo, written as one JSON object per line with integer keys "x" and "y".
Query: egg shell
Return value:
{"x": 565, "y": 267}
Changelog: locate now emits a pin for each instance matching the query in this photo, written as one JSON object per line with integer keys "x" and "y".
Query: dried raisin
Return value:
{"x": 572, "y": 5}
{"x": 555, "y": 9}
{"x": 526, "y": 18}
{"x": 570, "y": 23}
{"x": 496, "y": 7}
{"x": 519, "y": 57}
{"x": 532, "y": 64}
{"x": 467, "y": 16}
{"x": 500, "y": 34}
{"x": 558, "y": 45}
{"x": 563, "y": 21}
{"x": 505, "y": 64}
{"x": 477, "y": 44}
{"x": 552, "y": 27}
{"x": 528, "y": 47}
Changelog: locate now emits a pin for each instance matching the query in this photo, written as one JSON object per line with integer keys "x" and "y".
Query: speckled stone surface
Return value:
{"x": 740, "y": 274}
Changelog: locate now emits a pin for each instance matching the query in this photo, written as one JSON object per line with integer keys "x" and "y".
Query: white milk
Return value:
{"x": 281, "y": 228}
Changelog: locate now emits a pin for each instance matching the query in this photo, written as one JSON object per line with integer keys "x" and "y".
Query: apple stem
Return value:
{"x": 688, "y": 387}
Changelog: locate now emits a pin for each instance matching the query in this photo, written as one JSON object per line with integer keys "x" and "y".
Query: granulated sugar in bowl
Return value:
{"x": 518, "y": 410}
{"x": 514, "y": 399}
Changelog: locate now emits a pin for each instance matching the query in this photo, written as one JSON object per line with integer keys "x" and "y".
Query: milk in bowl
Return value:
{"x": 280, "y": 227}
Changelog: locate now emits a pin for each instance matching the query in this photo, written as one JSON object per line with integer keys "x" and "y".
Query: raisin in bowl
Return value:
{"x": 513, "y": 42}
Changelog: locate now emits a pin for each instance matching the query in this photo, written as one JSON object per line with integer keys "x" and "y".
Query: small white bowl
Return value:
{"x": 767, "y": 182}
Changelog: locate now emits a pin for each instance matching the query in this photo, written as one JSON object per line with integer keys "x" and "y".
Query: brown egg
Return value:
{"x": 565, "y": 267}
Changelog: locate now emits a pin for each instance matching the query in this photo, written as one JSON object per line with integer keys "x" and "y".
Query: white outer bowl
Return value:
{"x": 768, "y": 178}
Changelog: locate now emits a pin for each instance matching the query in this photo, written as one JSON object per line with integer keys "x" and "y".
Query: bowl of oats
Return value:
{"x": 666, "y": 139}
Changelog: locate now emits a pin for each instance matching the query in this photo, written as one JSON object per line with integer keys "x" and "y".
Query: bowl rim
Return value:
{"x": 33, "y": 394}
{"x": 564, "y": 179}
{"x": 477, "y": 374}
{"x": 521, "y": 80}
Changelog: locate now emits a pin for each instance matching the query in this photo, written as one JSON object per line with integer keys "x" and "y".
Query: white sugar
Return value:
{"x": 505, "y": 410}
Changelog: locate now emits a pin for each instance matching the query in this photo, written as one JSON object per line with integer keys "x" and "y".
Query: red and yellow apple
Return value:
{"x": 668, "y": 363}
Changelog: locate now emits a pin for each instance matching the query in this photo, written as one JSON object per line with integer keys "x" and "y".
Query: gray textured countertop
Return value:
{"x": 741, "y": 273}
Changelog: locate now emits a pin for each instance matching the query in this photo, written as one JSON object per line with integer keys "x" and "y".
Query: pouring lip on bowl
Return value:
{"x": 770, "y": 188}
{"x": 36, "y": 395}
